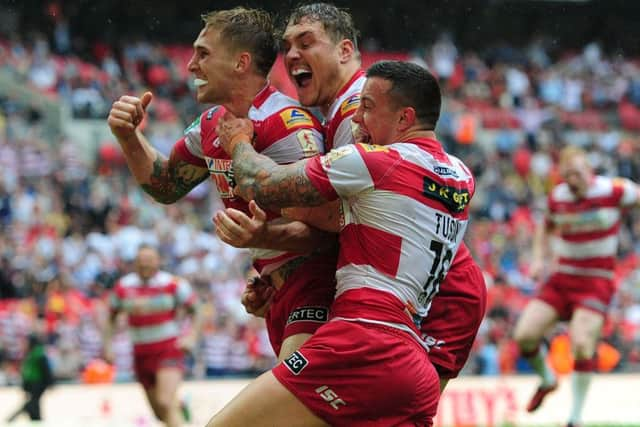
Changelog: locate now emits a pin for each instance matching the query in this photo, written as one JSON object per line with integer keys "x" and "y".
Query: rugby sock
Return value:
{"x": 580, "y": 380}
{"x": 538, "y": 361}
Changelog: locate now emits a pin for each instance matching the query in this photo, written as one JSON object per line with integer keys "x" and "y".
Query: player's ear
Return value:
{"x": 243, "y": 62}
{"x": 347, "y": 50}
{"x": 407, "y": 118}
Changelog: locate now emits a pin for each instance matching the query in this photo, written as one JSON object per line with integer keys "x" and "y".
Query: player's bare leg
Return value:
{"x": 265, "y": 402}
{"x": 538, "y": 317}
{"x": 291, "y": 344}
{"x": 163, "y": 397}
{"x": 584, "y": 331}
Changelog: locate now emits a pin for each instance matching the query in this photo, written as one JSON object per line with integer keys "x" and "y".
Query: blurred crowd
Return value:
{"x": 70, "y": 227}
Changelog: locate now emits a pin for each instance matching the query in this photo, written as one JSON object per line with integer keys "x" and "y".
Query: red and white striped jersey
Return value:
{"x": 284, "y": 131}
{"x": 151, "y": 308}
{"x": 587, "y": 239}
{"x": 339, "y": 129}
{"x": 405, "y": 210}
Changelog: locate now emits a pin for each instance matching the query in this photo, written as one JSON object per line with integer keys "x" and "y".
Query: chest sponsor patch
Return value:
{"x": 294, "y": 117}
{"x": 350, "y": 104}
{"x": 296, "y": 362}
{"x": 308, "y": 314}
{"x": 455, "y": 199}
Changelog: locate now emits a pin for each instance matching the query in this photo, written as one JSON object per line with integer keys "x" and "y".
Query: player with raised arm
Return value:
{"x": 232, "y": 57}
{"x": 368, "y": 365}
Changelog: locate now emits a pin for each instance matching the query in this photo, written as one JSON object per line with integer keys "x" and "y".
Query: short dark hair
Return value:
{"x": 411, "y": 86}
{"x": 337, "y": 22}
{"x": 248, "y": 29}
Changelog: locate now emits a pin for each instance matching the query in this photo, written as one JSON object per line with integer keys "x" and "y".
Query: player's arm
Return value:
{"x": 109, "y": 323}
{"x": 189, "y": 302}
{"x": 166, "y": 180}
{"x": 540, "y": 248}
{"x": 259, "y": 178}
{"x": 238, "y": 229}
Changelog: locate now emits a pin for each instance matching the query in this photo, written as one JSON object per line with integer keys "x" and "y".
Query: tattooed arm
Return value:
{"x": 259, "y": 178}
{"x": 170, "y": 180}
{"x": 165, "y": 180}
{"x": 277, "y": 186}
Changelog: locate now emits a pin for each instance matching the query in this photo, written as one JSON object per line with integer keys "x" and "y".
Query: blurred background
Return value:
{"x": 521, "y": 78}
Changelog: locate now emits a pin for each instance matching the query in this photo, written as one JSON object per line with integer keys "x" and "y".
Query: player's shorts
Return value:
{"x": 147, "y": 365}
{"x": 302, "y": 304}
{"x": 355, "y": 374}
{"x": 566, "y": 292}
{"x": 454, "y": 319}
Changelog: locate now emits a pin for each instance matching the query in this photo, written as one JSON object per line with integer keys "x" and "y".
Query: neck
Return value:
{"x": 344, "y": 75}
{"x": 243, "y": 95}
{"x": 416, "y": 133}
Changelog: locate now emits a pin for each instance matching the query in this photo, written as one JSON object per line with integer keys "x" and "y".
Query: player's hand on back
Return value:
{"x": 127, "y": 113}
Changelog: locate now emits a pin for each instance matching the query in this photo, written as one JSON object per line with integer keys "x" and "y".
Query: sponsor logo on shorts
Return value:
{"x": 296, "y": 362}
{"x": 330, "y": 397}
{"x": 309, "y": 314}
{"x": 295, "y": 118}
{"x": 433, "y": 342}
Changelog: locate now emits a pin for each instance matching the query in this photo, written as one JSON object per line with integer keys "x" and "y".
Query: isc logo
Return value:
{"x": 330, "y": 396}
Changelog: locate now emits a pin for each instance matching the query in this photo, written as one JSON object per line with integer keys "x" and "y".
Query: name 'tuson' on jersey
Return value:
{"x": 405, "y": 213}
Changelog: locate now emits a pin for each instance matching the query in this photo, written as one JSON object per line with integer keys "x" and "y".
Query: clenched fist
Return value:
{"x": 126, "y": 114}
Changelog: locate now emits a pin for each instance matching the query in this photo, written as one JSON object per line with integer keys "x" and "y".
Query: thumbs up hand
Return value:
{"x": 126, "y": 114}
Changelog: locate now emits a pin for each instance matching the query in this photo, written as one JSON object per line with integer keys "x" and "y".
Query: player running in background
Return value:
{"x": 584, "y": 214}
{"x": 152, "y": 300}
{"x": 323, "y": 61}
{"x": 368, "y": 365}
{"x": 232, "y": 57}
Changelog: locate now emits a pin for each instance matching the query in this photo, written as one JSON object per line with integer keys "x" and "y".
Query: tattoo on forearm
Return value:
{"x": 270, "y": 184}
{"x": 171, "y": 179}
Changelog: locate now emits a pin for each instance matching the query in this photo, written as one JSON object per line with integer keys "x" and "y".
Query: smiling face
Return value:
{"x": 376, "y": 117}
{"x": 212, "y": 65}
{"x": 313, "y": 61}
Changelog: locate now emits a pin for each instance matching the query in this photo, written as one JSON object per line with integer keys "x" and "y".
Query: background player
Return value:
{"x": 152, "y": 300}
{"x": 584, "y": 213}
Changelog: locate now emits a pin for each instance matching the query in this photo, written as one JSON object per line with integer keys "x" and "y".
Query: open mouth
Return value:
{"x": 199, "y": 82}
{"x": 302, "y": 77}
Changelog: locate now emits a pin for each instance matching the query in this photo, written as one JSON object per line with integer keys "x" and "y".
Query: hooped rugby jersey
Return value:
{"x": 338, "y": 127}
{"x": 151, "y": 308}
{"x": 587, "y": 242}
{"x": 284, "y": 131}
{"x": 405, "y": 211}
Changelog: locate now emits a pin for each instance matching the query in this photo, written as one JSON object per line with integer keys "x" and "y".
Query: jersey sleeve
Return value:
{"x": 342, "y": 128}
{"x": 630, "y": 195}
{"x": 115, "y": 299}
{"x": 289, "y": 135}
{"x": 184, "y": 293}
{"x": 342, "y": 172}
{"x": 189, "y": 147}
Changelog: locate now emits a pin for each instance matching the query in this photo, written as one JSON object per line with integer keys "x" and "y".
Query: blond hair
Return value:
{"x": 246, "y": 29}
{"x": 571, "y": 152}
